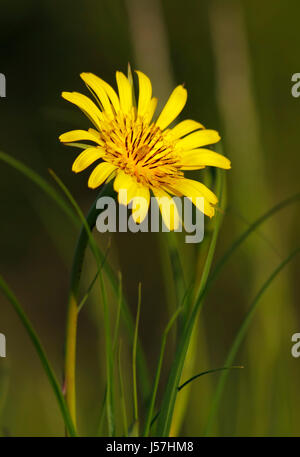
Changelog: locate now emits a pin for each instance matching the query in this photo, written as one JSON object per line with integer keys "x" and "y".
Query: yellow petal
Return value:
{"x": 78, "y": 135}
{"x": 151, "y": 110}
{"x": 126, "y": 186}
{"x": 193, "y": 189}
{"x": 100, "y": 174}
{"x": 173, "y": 107}
{"x": 86, "y": 158}
{"x": 125, "y": 92}
{"x": 168, "y": 209}
{"x": 111, "y": 176}
{"x": 196, "y": 187}
{"x": 198, "y": 139}
{"x": 86, "y": 105}
{"x": 140, "y": 204}
{"x": 123, "y": 181}
{"x": 145, "y": 93}
{"x": 111, "y": 93}
{"x": 93, "y": 82}
{"x": 130, "y": 190}
{"x": 185, "y": 127}
{"x": 199, "y": 158}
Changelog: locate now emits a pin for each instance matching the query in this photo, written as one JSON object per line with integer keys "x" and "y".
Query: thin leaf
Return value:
{"x": 91, "y": 219}
{"x": 86, "y": 295}
{"x": 109, "y": 364}
{"x": 241, "y": 335}
{"x": 214, "y": 370}
{"x": 122, "y": 395}
{"x": 42, "y": 355}
{"x": 41, "y": 183}
{"x": 84, "y": 221}
{"x": 85, "y": 237}
{"x": 74, "y": 289}
{"x": 117, "y": 325}
{"x": 203, "y": 291}
{"x": 135, "y": 339}
{"x": 243, "y": 237}
{"x": 169, "y": 398}
{"x": 176, "y": 264}
{"x": 158, "y": 371}
{"x": 116, "y": 332}
{"x": 78, "y": 145}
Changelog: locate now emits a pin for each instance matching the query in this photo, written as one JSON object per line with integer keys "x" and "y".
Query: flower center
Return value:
{"x": 140, "y": 149}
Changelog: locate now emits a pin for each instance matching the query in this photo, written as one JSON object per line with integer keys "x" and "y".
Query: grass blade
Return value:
{"x": 135, "y": 339}
{"x": 89, "y": 289}
{"x": 240, "y": 337}
{"x": 214, "y": 370}
{"x": 85, "y": 238}
{"x": 169, "y": 398}
{"x": 158, "y": 371}
{"x": 122, "y": 394}
{"x": 176, "y": 264}
{"x": 109, "y": 364}
{"x": 75, "y": 278}
{"x": 116, "y": 332}
{"x": 41, "y": 183}
{"x": 283, "y": 204}
{"x": 238, "y": 242}
{"x": 42, "y": 355}
{"x": 117, "y": 325}
{"x": 91, "y": 219}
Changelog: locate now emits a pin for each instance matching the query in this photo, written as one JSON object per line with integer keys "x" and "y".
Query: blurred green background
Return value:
{"x": 236, "y": 59}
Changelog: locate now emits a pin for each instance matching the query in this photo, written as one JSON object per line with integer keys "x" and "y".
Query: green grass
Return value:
{"x": 153, "y": 402}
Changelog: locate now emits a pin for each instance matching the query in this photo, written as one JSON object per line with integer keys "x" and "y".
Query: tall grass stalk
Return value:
{"x": 134, "y": 350}
{"x": 73, "y": 302}
{"x": 169, "y": 398}
{"x": 150, "y": 413}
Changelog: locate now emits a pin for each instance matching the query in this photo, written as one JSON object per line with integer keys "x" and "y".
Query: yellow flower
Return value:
{"x": 142, "y": 154}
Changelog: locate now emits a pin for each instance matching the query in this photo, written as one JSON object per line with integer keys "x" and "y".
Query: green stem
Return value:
{"x": 70, "y": 357}
{"x": 55, "y": 196}
{"x": 72, "y": 313}
{"x": 135, "y": 339}
{"x": 158, "y": 371}
{"x": 168, "y": 403}
{"x": 109, "y": 364}
{"x": 122, "y": 398}
{"x": 174, "y": 376}
{"x": 177, "y": 270}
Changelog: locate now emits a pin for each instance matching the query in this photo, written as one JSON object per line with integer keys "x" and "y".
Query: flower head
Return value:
{"x": 141, "y": 154}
